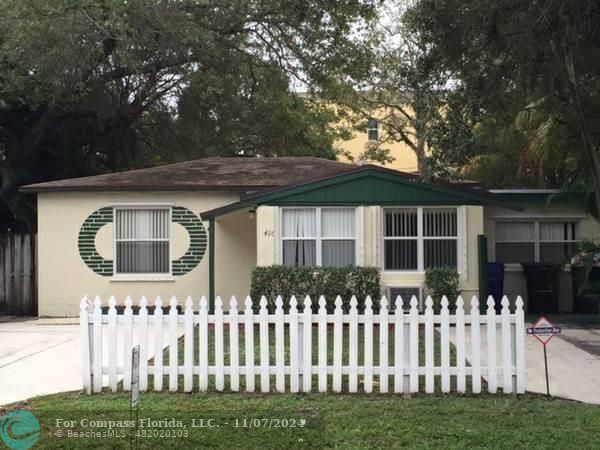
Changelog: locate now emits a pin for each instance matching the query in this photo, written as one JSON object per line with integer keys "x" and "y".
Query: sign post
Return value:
{"x": 135, "y": 392}
{"x": 543, "y": 330}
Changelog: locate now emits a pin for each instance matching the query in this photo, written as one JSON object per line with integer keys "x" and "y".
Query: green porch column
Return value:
{"x": 483, "y": 272}
{"x": 211, "y": 265}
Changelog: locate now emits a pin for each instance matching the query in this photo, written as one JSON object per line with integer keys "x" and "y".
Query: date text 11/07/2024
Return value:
{"x": 250, "y": 423}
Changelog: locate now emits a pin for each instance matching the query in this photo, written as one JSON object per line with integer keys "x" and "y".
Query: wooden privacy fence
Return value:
{"x": 17, "y": 275}
{"x": 304, "y": 351}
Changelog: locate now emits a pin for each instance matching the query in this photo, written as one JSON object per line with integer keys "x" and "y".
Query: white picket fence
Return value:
{"x": 307, "y": 353}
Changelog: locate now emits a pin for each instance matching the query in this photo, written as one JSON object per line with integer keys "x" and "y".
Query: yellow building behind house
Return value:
{"x": 374, "y": 134}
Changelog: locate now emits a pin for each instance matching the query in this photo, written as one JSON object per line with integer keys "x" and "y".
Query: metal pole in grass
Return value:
{"x": 134, "y": 395}
{"x": 547, "y": 379}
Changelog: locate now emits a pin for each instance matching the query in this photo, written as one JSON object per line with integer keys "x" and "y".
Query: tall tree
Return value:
{"x": 404, "y": 91}
{"x": 86, "y": 84}
{"x": 536, "y": 59}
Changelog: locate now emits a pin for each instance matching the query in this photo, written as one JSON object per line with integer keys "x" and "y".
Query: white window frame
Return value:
{"x": 376, "y": 128}
{"x": 536, "y": 235}
{"x": 421, "y": 238}
{"x": 166, "y": 276}
{"x": 318, "y": 238}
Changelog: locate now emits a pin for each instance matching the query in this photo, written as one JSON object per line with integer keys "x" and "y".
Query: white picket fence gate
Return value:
{"x": 305, "y": 347}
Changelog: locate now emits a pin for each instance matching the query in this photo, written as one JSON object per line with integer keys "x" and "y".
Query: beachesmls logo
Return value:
{"x": 19, "y": 430}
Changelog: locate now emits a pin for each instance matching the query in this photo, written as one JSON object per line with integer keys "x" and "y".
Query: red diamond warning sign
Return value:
{"x": 543, "y": 330}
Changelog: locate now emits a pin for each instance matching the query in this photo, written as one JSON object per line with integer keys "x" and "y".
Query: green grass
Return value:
{"x": 322, "y": 420}
{"x": 335, "y": 421}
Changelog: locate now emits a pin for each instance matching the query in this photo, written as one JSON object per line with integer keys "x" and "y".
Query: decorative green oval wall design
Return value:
{"x": 180, "y": 266}
{"x": 87, "y": 241}
{"x": 197, "y": 233}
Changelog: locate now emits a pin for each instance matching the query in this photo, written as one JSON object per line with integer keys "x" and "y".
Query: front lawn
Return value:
{"x": 344, "y": 421}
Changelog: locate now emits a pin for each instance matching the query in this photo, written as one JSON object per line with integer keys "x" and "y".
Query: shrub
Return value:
{"x": 442, "y": 281}
{"x": 330, "y": 282}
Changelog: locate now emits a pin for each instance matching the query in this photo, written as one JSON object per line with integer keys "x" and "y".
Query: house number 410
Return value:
{"x": 269, "y": 233}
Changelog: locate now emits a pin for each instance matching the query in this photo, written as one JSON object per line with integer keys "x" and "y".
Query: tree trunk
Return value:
{"x": 420, "y": 147}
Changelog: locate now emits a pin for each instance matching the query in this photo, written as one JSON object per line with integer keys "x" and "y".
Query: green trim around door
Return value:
{"x": 482, "y": 261}
{"x": 211, "y": 265}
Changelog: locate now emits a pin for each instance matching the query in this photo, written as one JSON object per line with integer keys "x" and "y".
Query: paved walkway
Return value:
{"x": 573, "y": 362}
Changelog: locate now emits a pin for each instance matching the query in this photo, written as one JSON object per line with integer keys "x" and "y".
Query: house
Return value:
{"x": 199, "y": 228}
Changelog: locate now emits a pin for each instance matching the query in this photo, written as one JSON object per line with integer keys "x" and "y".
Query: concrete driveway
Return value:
{"x": 37, "y": 358}
{"x": 573, "y": 362}
{"x": 40, "y": 357}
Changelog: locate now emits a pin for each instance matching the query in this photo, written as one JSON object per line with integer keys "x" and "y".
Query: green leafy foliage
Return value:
{"x": 403, "y": 90}
{"x": 585, "y": 257}
{"x": 442, "y": 281}
{"x": 98, "y": 86}
{"x": 330, "y": 282}
{"x": 523, "y": 104}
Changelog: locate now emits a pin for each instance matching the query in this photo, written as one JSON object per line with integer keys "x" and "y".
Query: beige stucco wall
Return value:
{"x": 514, "y": 279}
{"x": 267, "y": 224}
{"x": 235, "y": 255}
{"x": 370, "y": 244}
{"x": 63, "y": 278}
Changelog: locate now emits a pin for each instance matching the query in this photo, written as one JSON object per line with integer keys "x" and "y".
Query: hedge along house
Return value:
{"x": 199, "y": 228}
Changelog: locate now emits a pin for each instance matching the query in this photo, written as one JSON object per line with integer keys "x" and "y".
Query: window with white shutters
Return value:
{"x": 318, "y": 236}
{"x": 142, "y": 240}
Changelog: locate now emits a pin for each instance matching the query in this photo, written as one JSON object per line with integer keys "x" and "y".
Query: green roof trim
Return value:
{"x": 584, "y": 200}
{"x": 368, "y": 185}
{"x": 546, "y": 197}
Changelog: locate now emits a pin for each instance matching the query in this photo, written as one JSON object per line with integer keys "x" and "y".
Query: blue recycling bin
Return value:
{"x": 496, "y": 282}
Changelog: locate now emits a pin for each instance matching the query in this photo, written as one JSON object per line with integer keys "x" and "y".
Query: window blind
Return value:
{"x": 142, "y": 241}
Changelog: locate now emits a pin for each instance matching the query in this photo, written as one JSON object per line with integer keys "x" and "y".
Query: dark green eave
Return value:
{"x": 542, "y": 195}
{"x": 549, "y": 197}
{"x": 369, "y": 185}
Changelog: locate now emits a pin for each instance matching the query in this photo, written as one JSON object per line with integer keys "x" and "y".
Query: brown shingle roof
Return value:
{"x": 237, "y": 174}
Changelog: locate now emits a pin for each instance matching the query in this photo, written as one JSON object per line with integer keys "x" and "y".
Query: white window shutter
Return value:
{"x": 277, "y": 235}
{"x": 376, "y": 235}
{"x": 360, "y": 235}
{"x": 463, "y": 243}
